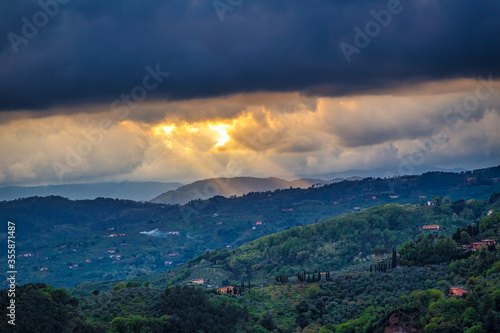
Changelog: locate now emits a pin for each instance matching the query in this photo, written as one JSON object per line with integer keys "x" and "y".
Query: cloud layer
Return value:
{"x": 259, "y": 135}
{"x": 92, "y": 51}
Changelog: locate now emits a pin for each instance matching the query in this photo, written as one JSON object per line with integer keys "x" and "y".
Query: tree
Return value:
{"x": 268, "y": 322}
{"x": 464, "y": 237}
{"x": 394, "y": 258}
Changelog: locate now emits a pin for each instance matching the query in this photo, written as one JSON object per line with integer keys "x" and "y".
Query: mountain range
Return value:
{"x": 138, "y": 191}
{"x": 227, "y": 187}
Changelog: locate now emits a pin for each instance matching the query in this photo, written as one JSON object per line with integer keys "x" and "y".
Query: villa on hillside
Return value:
{"x": 456, "y": 291}
{"x": 198, "y": 281}
{"x": 488, "y": 242}
{"x": 430, "y": 227}
{"x": 431, "y": 203}
{"x": 477, "y": 245}
{"x": 225, "y": 290}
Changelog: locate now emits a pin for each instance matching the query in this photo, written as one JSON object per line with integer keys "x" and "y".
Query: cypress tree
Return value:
{"x": 469, "y": 229}
{"x": 394, "y": 258}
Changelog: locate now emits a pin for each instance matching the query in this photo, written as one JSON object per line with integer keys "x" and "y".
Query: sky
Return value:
{"x": 94, "y": 91}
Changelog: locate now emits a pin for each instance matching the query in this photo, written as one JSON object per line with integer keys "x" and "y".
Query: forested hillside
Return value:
{"x": 342, "y": 241}
{"x": 447, "y": 288}
{"x": 65, "y": 242}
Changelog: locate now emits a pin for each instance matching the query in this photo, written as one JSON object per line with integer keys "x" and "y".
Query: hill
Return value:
{"x": 461, "y": 296}
{"x": 138, "y": 191}
{"x": 227, "y": 187}
{"x": 65, "y": 242}
{"x": 377, "y": 173}
{"x": 339, "y": 242}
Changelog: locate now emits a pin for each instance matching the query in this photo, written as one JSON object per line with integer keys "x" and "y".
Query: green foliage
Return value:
{"x": 464, "y": 237}
{"x": 190, "y": 309}
{"x": 138, "y": 324}
{"x": 483, "y": 261}
{"x": 119, "y": 286}
{"x": 341, "y": 241}
{"x": 41, "y": 308}
{"x": 490, "y": 222}
{"x": 78, "y": 234}
{"x": 475, "y": 329}
{"x": 428, "y": 249}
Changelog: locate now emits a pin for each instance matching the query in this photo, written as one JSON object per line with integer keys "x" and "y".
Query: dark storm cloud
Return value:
{"x": 94, "y": 51}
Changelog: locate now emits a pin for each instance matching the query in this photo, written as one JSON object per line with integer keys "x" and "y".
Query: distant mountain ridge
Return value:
{"x": 375, "y": 173}
{"x": 226, "y": 187}
{"x": 137, "y": 191}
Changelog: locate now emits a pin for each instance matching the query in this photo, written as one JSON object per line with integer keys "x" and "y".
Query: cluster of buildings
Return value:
{"x": 477, "y": 245}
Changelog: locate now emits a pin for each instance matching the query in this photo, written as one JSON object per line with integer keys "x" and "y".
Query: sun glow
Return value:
{"x": 168, "y": 129}
{"x": 164, "y": 129}
{"x": 201, "y": 135}
{"x": 221, "y": 129}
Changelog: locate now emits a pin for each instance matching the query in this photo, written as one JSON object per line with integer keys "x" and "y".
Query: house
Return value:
{"x": 430, "y": 227}
{"x": 394, "y": 196}
{"x": 43, "y": 268}
{"x": 490, "y": 212}
{"x": 472, "y": 180}
{"x": 225, "y": 290}
{"x": 87, "y": 260}
{"x": 455, "y": 291}
{"x": 198, "y": 281}
{"x": 431, "y": 203}
{"x": 422, "y": 197}
{"x": 476, "y": 245}
{"x": 258, "y": 223}
{"x": 168, "y": 263}
{"x": 467, "y": 247}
